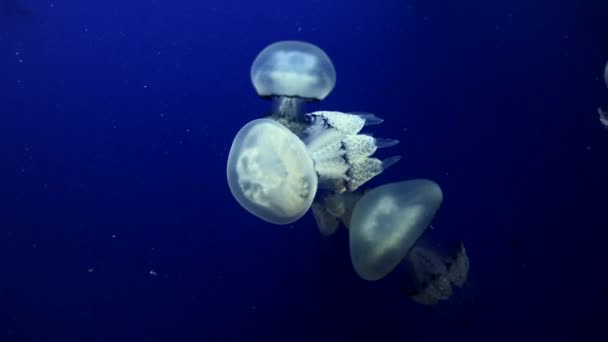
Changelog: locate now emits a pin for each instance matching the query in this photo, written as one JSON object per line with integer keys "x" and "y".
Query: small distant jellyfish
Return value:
{"x": 291, "y": 73}
{"x": 275, "y": 175}
{"x": 603, "y": 117}
{"x": 603, "y": 113}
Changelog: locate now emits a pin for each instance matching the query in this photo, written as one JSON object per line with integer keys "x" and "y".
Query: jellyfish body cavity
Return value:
{"x": 291, "y": 72}
{"x": 387, "y": 221}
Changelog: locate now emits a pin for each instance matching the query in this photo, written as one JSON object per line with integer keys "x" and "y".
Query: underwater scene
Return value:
{"x": 391, "y": 170}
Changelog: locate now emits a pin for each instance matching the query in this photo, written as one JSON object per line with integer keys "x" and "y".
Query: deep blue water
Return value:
{"x": 116, "y": 117}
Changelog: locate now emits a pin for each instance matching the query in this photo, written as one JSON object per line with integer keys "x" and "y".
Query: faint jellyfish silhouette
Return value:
{"x": 291, "y": 73}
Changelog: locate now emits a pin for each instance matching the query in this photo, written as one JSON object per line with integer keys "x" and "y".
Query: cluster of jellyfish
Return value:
{"x": 284, "y": 165}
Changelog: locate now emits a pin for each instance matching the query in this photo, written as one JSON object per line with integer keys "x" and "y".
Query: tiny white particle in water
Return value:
{"x": 153, "y": 273}
{"x": 113, "y": 235}
{"x": 90, "y": 270}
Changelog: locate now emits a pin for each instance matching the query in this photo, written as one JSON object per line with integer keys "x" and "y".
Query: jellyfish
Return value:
{"x": 275, "y": 175}
{"x": 603, "y": 113}
{"x": 431, "y": 273}
{"x": 387, "y": 221}
{"x": 291, "y": 73}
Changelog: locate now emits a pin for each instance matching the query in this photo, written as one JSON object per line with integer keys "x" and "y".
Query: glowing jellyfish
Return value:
{"x": 275, "y": 175}
{"x": 292, "y": 72}
{"x": 387, "y": 221}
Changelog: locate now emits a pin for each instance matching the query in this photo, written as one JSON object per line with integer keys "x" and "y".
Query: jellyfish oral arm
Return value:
{"x": 340, "y": 153}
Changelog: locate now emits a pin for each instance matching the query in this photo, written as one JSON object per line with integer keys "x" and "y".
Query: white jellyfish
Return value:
{"x": 387, "y": 221}
{"x": 275, "y": 175}
{"x": 291, "y": 73}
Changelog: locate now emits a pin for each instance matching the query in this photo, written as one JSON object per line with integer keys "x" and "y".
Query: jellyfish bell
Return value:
{"x": 387, "y": 221}
{"x": 270, "y": 173}
{"x": 291, "y": 73}
{"x": 275, "y": 175}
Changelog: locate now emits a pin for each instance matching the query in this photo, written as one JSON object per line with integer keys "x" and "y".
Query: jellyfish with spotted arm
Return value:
{"x": 387, "y": 221}
{"x": 292, "y": 73}
{"x": 275, "y": 175}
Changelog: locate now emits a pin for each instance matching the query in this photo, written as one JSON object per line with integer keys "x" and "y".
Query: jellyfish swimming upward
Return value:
{"x": 387, "y": 221}
{"x": 292, "y": 73}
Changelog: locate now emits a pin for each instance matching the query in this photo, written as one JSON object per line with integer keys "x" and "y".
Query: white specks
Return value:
{"x": 90, "y": 270}
{"x": 86, "y": 30}
{"x": 153, "y": 273}
{"x": 113, "y": 236}
{"x": 145, "y": 86}
{"x": 162, "y": 115}
{"x": 432, "y": 227}
{"x": 17, "y": 53}
{"x": 300, "y": 29}
{"x": 187, "y": 130}
{"x": 21, "y": 61}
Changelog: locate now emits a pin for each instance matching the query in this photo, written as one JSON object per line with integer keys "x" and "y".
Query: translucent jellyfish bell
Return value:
{"x": 270, "y": 172}
{"x": 387, "y": 221}
{"x": 291, "y": 72}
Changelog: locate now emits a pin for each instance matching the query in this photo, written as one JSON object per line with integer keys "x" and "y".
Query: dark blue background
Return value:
{"x": 116, "y": 222}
